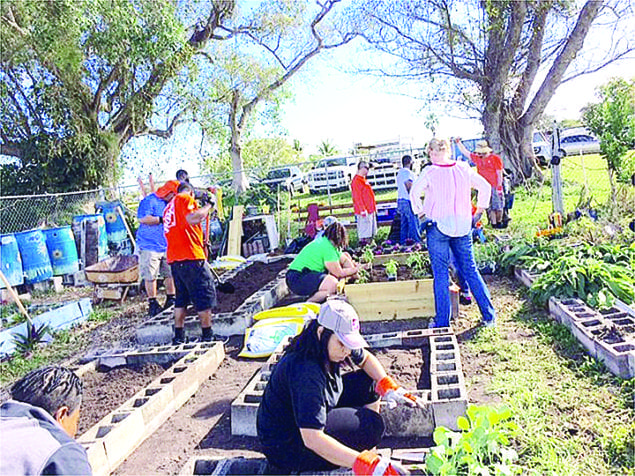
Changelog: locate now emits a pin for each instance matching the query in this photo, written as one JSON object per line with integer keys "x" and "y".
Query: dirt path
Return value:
{"x": 202, "y": 426}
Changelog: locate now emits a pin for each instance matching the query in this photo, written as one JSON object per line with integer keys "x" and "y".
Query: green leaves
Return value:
{"x": 480, "y": 448}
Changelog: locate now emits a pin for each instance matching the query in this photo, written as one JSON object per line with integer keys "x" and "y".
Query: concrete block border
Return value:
{"x": 589, "y": 325}
{"x": 446, "y": 400}
{"x": 158, "y": 329}
{"x": 118, "y": 434}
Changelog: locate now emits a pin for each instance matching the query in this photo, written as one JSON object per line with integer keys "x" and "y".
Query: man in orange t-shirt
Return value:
{"x": 186, "y": 255}
{"x": 490, "y": 167}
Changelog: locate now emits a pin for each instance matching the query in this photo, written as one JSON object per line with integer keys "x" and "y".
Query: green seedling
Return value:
{"x": 480, "y": 447}
{"x": 419, "y": 264}
{"x": 367, "y": 255}
{"x": 363, "y": 276}
{"x": 391, "y": 269}
{"x": 26, "y": 344}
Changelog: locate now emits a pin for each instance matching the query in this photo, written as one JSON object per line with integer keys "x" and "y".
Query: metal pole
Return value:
{"x": 556, "y": 178}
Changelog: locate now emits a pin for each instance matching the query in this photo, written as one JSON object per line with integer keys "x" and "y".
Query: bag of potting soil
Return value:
{"x": 263, "y": 338}
{"x": 304, "y": 309}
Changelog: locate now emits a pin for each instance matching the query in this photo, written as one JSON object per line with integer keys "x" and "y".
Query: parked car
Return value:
{"x": 288, "y": 177}
{"x": 541, "y": 146}
{"x": 332, "y": 173}
{"x": 579, "y": 141}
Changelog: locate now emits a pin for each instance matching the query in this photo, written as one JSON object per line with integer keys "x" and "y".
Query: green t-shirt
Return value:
{"x": 315, "y": 254}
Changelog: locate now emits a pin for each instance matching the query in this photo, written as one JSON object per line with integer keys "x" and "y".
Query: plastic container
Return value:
{"x": 10, "y": 261}
{"x": 118, "y": 241}
{"x": 60, "y": 244}
{"x": 92, "y": 230}
{"x": 35, "y": 257}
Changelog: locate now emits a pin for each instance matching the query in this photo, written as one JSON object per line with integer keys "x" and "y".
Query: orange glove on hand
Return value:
{"x": 394, "y": 394}
{"x": 371, "y": 464}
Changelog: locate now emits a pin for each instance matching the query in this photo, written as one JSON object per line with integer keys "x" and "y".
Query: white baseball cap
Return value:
{"x": 341, "y": 318}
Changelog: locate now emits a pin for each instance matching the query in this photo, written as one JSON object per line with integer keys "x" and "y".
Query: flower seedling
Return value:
{"x": 391, "y": 269}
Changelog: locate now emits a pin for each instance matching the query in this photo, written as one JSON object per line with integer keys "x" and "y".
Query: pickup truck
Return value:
{"x": 332, "y": 173}
{"x": 288, "y": 177}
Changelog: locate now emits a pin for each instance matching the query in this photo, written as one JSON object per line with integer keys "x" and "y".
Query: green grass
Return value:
{"x": 580, "y": 175}
{"x": 65, "y": 344}
{"x": 574, "y": 416}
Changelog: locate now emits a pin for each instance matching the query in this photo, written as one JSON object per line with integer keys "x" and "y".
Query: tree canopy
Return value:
{"x": 499, "y": 60}
{"x": 81, "y": 77}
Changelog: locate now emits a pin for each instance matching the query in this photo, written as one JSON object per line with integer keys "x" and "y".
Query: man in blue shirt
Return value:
{"x": 152, "y": 245}
{"x": 409, "y": 222}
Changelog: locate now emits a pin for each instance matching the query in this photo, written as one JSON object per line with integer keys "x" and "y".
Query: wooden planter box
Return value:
{"x": 396, "y": 299}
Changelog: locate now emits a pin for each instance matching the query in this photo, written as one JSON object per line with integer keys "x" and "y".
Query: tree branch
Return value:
{"x": 554, "y": 76}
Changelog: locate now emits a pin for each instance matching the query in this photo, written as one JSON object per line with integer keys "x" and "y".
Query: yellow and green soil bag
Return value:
{"x": 263, "y": 338}
{"x": 304, "y": 309}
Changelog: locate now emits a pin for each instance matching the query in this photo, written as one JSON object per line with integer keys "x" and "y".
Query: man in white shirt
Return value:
{"x": 409, "y": 221}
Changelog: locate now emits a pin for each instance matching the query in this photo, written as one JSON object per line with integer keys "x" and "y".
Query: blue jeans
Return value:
{"x": 439, "y": 247}
{"x": 409, "y": 222}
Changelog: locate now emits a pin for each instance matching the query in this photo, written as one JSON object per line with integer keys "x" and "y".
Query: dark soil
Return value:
{"x": 611, "y": 335}
{"x": 407, "y": 366}
{"x": 106, "y": 391}
{"x": 247, "y": 282}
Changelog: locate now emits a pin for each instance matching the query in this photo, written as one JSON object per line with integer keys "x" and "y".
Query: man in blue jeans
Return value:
{"x": 409, "y": 221}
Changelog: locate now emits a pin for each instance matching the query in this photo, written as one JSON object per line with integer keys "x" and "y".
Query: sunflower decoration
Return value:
{"x": 111, "y": 217}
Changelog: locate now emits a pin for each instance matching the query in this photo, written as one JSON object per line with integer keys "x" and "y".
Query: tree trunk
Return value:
{"x": 239, "y": 180}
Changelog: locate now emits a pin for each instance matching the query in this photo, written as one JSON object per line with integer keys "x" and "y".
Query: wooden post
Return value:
{"x": 556, "y": 178}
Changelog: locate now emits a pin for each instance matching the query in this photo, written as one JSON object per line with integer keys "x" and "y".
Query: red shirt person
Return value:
{"x": 364, "y": 204}
{"x": 490, "y": 167}
{"x": 193, "y": 278}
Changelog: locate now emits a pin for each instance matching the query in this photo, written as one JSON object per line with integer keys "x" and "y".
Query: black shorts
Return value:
{"x": 194, "y": 284}
{"x": 305, "y": 282}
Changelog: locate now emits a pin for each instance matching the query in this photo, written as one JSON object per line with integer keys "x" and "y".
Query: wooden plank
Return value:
{"x": 392, "y": 300}
{"x": 302, "y": 212}
{"x": 235, "y": 231}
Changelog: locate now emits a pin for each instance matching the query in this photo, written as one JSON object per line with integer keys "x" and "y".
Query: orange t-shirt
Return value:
{"x": 185, "y": 241}
{"x": 488, "y": 168}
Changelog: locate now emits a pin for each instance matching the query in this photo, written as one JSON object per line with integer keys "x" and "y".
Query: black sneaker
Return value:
{"x": 465, "y": 300}
{"x": 178, "y": 341}
{"x": 209, "y": 338}
{"x": 169, "y": 302}
{"x": 154, "y": 308}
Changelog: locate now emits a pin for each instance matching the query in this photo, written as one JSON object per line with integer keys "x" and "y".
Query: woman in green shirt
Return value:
{"x": 318, "y": 267}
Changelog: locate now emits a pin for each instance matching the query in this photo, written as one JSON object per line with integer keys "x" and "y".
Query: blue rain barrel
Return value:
{"x": 10, "y": 261}
{"x": 35, "y": 258}
{"x": 93, "y": 227}
{"x": 60, "y": 244}
{"x": 118, "y": 241}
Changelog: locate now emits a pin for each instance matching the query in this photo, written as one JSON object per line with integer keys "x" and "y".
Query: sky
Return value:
{"x": 344, "y": 108}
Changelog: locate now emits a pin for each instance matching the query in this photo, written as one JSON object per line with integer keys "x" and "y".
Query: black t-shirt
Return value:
{"x": 298, "y": 395}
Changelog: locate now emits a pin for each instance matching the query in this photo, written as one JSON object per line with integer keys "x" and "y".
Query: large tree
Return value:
{"x": 236, "y": 80}
{"x": 80, "y": 78}
{"x": 503, "y": 59}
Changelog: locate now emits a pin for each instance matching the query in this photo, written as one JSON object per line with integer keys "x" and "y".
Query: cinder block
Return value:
{"x": 615, "y": 357}
{"x": 524, "y": 277}
{"x": 154, "y": 334}
{"x": 409, "y": 421}
{"x": 123, "y": 430}
{"x": 389, "y": 339}
{"x": 96, "y": 453}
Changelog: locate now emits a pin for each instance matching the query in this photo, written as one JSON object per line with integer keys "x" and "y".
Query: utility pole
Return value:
{"x": 556, "y": 178}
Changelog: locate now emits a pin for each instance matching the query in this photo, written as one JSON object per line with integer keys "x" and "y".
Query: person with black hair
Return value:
{"x": 39, "y": 423}
{"x": 182, "y": 176}
{"x": 186, "y": 255}
{"x": 316, "y": 270}
{"x": 313, "y": 418}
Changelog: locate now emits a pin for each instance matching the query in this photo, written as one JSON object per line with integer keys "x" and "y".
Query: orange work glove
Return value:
{"x": 371, "y": 464}
{"x": 394, "y": 394}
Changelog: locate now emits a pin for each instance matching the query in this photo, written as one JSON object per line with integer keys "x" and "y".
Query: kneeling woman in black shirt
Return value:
{"x": 311, "y": 417}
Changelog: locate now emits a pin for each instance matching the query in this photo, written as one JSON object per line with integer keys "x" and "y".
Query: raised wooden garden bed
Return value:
{"x": 396, "y": 299}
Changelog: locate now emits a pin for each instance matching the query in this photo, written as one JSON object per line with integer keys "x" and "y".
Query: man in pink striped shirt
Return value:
{"x": 446, "y": 212}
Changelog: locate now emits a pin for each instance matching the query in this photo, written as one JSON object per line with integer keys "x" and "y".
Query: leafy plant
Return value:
{"x": 35, "y": 334}
{"x": 363, "y": 276}
{"x": 480, "y": 448}
{"x": 391, "y": 268}
{"x": 486, "y": 254}
{"x": 419, "y": 264}
{"x": 368, "y": 255}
